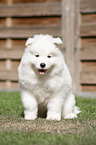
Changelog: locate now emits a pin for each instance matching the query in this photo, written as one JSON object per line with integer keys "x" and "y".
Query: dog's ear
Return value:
{"x": 57, "y": 40}
{"x": 29, "y": 41}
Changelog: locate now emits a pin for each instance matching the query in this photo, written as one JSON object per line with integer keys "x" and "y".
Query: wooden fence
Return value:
{"x": 87, "y": 48}
{"x": 20, "y": 19}
{"x": 73, "y": 20}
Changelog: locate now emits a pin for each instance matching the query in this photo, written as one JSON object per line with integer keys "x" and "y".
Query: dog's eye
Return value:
{"x": 49, "y": 56}
{"x": 37, "y": 55}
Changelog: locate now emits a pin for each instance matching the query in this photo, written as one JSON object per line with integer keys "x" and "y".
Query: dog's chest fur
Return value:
{"x": 43, "y": 91}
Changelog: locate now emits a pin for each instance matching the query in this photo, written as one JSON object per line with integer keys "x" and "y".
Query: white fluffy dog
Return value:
{"x": 45, "y": 81}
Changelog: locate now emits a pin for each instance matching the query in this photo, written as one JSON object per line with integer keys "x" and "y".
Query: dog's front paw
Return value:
{"x": 30, "y": 115}
{"x": 54, "y": 116}
{"x": 70, "y": 116}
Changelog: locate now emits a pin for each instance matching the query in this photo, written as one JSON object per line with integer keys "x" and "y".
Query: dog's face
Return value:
{"x": 44, "y": 53}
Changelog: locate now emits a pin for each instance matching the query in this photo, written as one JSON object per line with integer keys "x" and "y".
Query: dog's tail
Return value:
{"x": 77, "y": 110}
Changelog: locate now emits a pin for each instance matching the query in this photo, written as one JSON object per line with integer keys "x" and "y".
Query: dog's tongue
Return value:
{"x": 41, "y": 72}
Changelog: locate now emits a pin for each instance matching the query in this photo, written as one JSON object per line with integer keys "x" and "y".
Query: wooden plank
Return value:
{"x": 88, "y": 66}
{"x": 85, "y": 94}
{"x": 88, "y": 81}
{"x": 88, "y": 30}
{"x": 36, "y": 21}
{"x": 76, "y": 46}
{"x": 32, "y": 9}
{"x": 2, "y": 85}
{"x": 2, "y": 64}
{"x": 9, "y": 85}
{"x": 19, "y": 43}
{"x": 24, "y": 1}
{"x": 3, "y": 43}
{"x": 8, "y": 75}
{"x": 28, "y": 31}
{"x": 88, "y": 49}
{"x": 87, "y": 54}
{"x": 12, "y": 53}
{"x": 3, "y": 1}
{"x": 13, "y": 65}
{"x": 32, "y": 1}
{"x": 2, "y": 22}
{"x": 88, "y": 73}
{"x": 88, "y": 43}
{"x": 14, "y": 85}
{"x": 89, "y": 18}
{"x": 88, "y": 77}
{"x": 88, "y": 6}
{"x": 88, "y": 88}
{"x": 68, "y": 15}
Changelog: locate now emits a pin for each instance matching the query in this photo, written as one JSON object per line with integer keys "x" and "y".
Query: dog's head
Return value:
{"x": 43, "y": 52}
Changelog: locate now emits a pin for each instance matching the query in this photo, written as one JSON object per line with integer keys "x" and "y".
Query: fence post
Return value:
{"x": 68, "y": 35}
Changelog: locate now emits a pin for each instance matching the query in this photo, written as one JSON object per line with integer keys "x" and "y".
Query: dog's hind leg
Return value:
{"x": 68, "y": 111}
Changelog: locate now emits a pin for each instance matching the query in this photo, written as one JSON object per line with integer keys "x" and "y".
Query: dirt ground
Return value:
{"x": 42, "y": 125}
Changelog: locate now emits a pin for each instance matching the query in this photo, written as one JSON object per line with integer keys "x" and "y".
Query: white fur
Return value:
{"x": 51, "y": 90}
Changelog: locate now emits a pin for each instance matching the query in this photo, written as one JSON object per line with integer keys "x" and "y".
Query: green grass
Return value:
{"x": 14, "y": 130}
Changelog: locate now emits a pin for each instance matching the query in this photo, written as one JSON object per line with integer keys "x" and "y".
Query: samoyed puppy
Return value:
{"x": 44, "y": 80}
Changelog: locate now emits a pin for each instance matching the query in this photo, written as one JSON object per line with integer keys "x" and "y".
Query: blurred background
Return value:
{"x": 72, "y": 20}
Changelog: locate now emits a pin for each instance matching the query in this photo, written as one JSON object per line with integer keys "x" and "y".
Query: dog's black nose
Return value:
{"x": 42, "y": 65}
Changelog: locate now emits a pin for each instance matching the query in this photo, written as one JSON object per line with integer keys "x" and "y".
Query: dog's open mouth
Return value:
{"x": 42, "y": 71}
